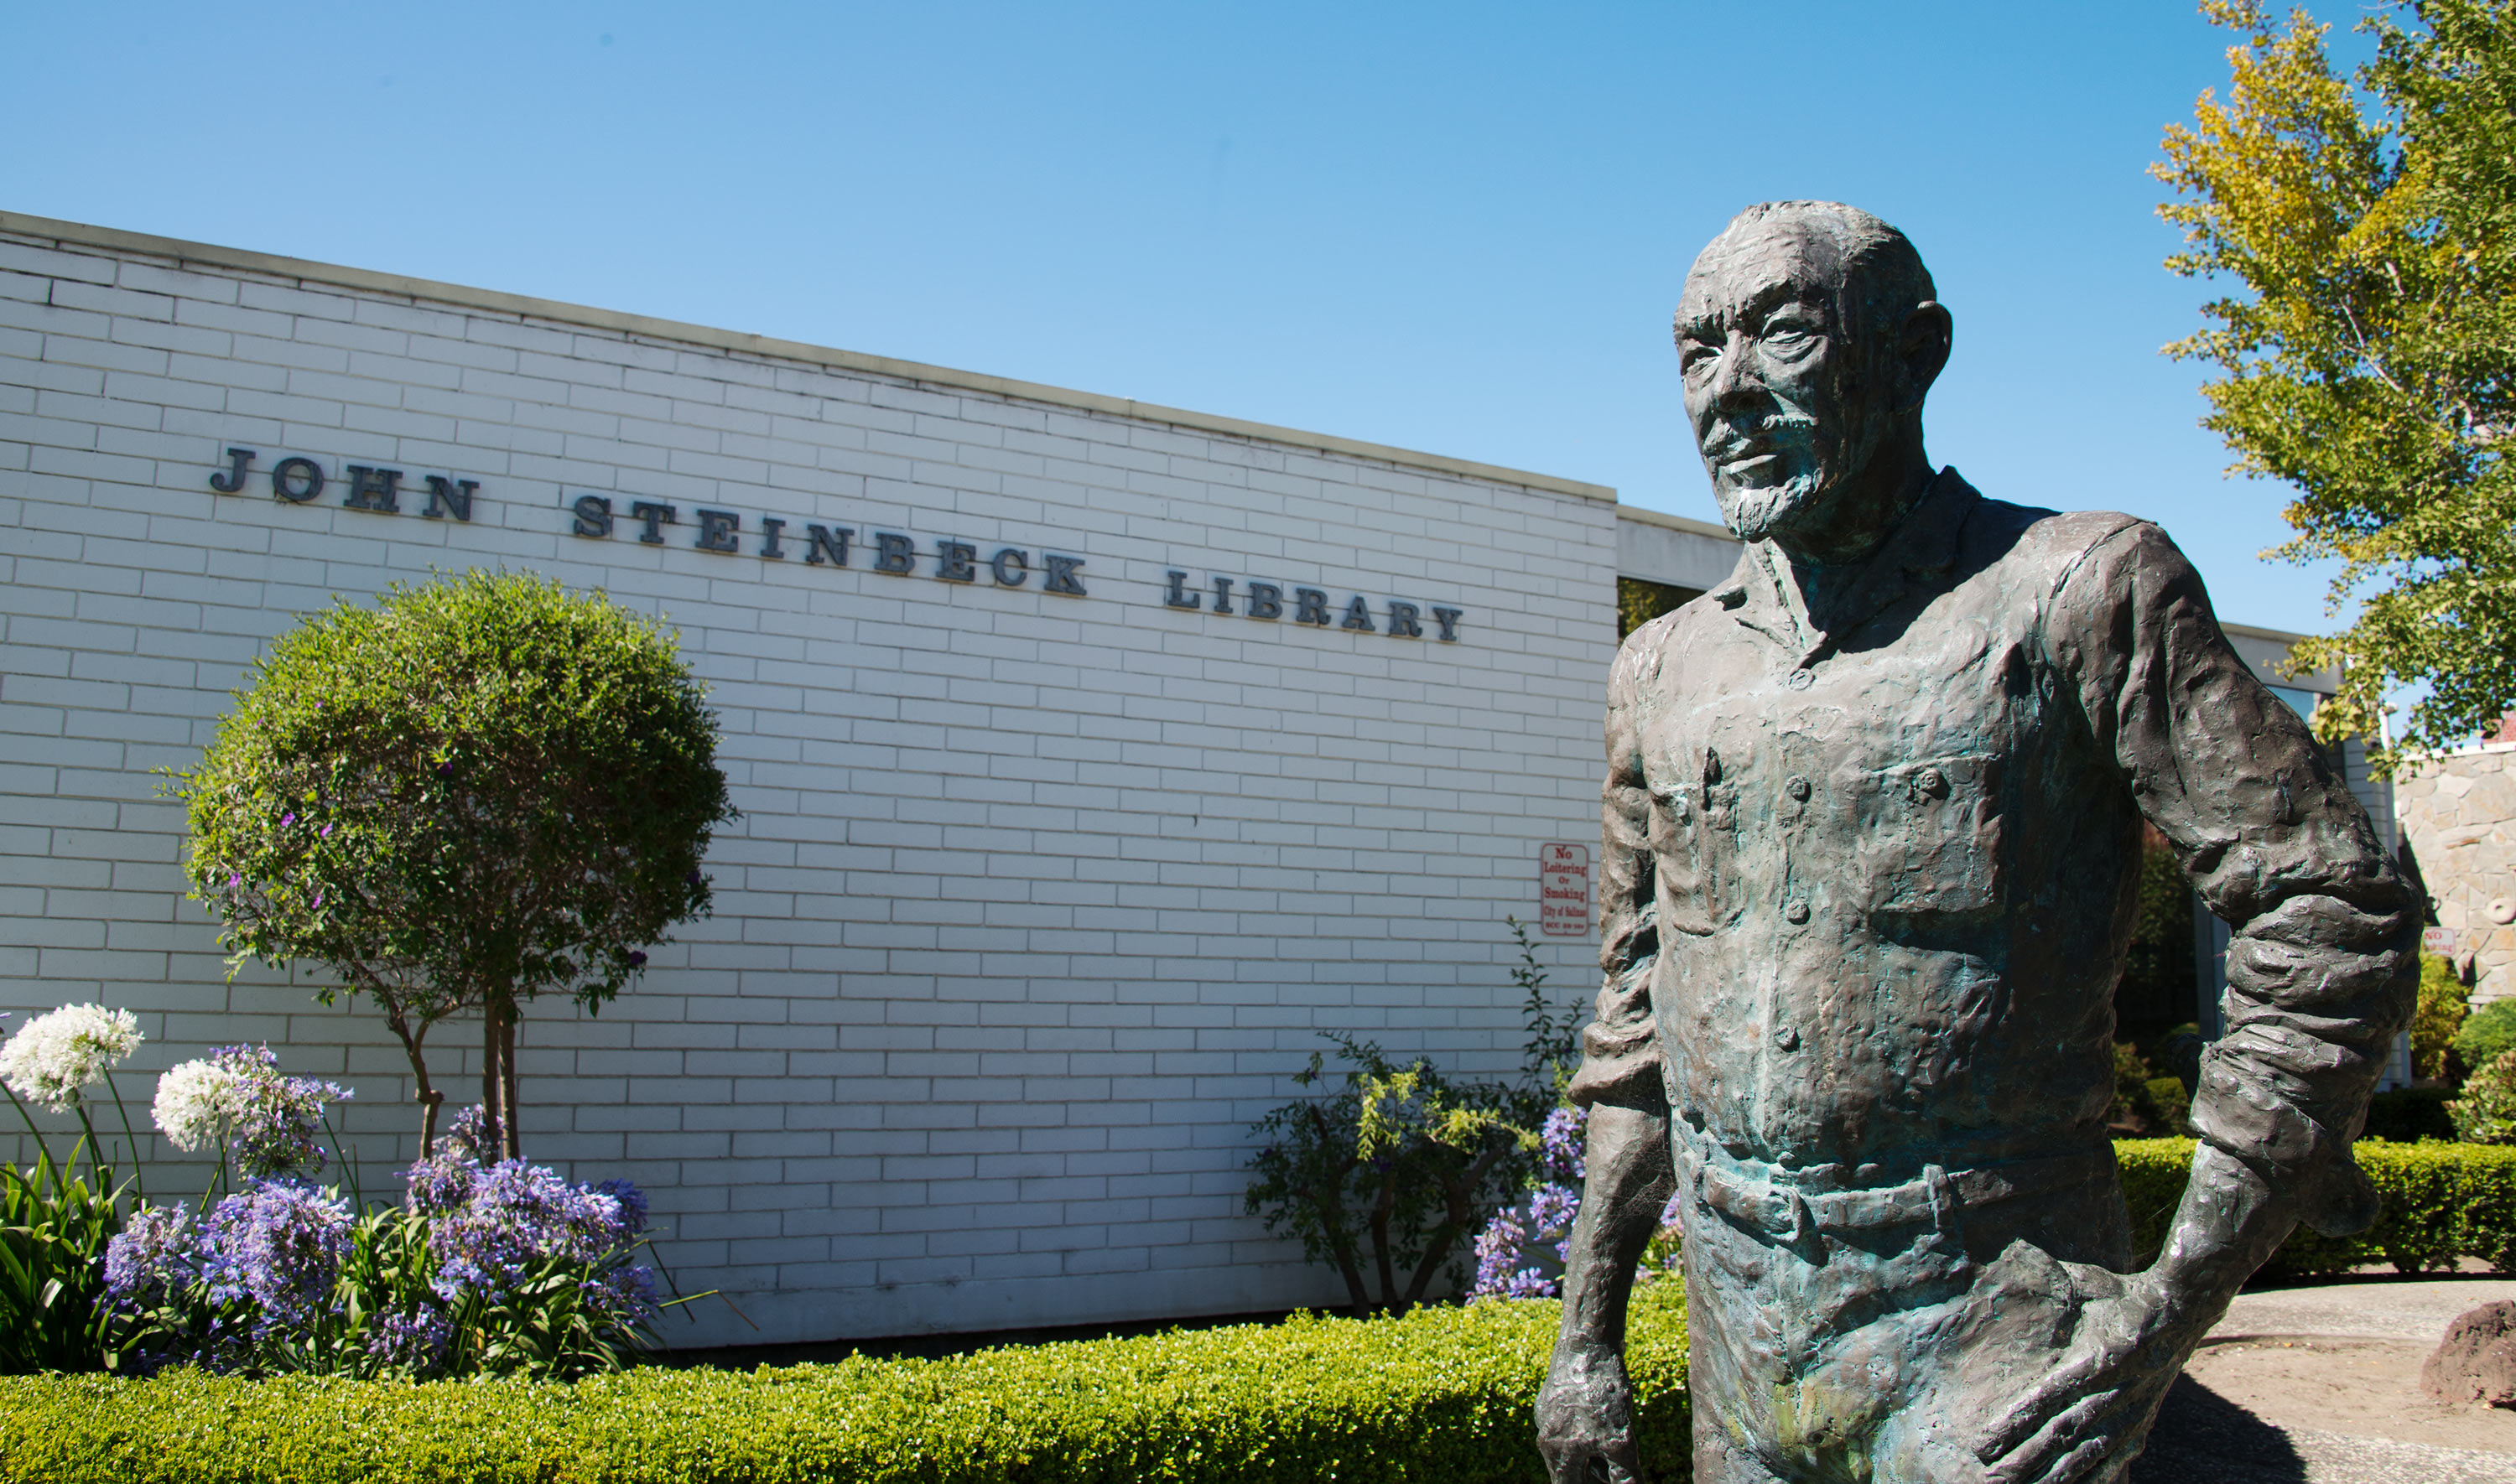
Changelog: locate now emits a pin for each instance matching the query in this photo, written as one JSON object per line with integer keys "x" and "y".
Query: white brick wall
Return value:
{"x": 1036, "y": 900}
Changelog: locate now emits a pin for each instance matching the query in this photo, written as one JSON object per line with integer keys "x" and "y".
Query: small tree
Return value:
{"x": 1396, "y": 1168}
{"x": 478, "y": 791}
{"x": 2368, "y": 355}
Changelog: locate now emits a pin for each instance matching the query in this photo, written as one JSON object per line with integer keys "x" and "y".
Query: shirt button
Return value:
{"x": 1799, "y": 680}
{"x": 1798, "y": 789}
{"x": 1932, "y": 781}
{"x": 1795, "y": 912}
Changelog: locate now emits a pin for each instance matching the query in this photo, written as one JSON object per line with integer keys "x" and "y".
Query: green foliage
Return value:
{"x": 2443, "y": 1005}
{"x": 54, "y": 1226}
{"x": 2145, "y": 1104}
{"x": 1552, "y": 1053}
{"x": 1398, "y": 1165}
{"x": 2486, "y": 1034}
{"x": 2408, "y": 1115}
{"x": 2486, "y": 1113}
{"x": 2157, "y": 985}
{"x": 1639, "y": 601}
{"x": 2442, "y": 1202}
{"x": 1441, "y": 1396}
{"x": 2370, "y": 361}
{"x": 478, "y": 791}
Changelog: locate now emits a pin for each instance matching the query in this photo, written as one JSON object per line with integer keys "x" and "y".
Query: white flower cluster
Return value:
{"x": 198, "y": 1102}
{"x": 55, "y": 1055}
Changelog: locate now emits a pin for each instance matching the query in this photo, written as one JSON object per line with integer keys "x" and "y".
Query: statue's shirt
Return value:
{"x": 1865, "y": 896}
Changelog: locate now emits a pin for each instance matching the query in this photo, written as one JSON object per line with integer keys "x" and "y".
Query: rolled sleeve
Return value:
{"x": 2321, "y": 967}
{"x": 1620, "y": 1060}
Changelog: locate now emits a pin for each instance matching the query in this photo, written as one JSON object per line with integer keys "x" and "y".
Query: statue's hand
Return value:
{"x": 1585, "y": 1419}
{"x": 2095, "y": 1351}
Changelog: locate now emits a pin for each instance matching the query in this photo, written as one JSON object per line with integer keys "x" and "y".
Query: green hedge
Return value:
{"x": 2442, "y": 1202}
{"x": 2410, "y": 1114}
{"x": 1443, "y": 1394}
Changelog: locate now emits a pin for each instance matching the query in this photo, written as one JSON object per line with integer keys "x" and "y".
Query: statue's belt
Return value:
{"x": 1792, "y": 1206}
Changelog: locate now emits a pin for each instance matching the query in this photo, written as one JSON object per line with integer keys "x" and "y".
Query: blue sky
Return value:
{"x": 1457, "y": 227}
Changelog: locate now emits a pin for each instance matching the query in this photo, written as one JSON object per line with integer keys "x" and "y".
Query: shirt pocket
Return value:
{"x": 1693, "y": 827}
{"x": 1931, "y": 841}
{"x": 1677, "y": 858}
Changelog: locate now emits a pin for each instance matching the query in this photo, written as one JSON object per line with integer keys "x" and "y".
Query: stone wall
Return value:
{"x": 1039, "y": 895}
{"x": 2458, "y": 817}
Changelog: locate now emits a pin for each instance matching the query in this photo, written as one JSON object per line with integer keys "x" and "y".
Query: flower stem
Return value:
{"x": 130, "y": 1140}
{"x": 349, "y": 1165}
{"x": 43, "y": 1148}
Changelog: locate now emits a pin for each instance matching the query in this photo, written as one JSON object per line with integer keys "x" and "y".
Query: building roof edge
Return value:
{"x": 1641, "y": 516}
{"x": 492, "y": 301}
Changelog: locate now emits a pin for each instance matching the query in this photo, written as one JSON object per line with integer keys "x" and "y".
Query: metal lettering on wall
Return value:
{"x": 298, "y": 480}
{"x": 773, "y": 539}
{"x": 1564, "y": 891}
{"x": 1310, "y": 606}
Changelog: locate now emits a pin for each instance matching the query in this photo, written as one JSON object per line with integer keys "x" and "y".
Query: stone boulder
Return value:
{"x": 2477, "y": 1359}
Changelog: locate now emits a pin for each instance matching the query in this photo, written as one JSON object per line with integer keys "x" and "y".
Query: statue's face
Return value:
{"x": 1787, "y": 408}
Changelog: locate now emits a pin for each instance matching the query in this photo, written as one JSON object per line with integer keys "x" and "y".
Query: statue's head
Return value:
{"x": 1807, "y": 336}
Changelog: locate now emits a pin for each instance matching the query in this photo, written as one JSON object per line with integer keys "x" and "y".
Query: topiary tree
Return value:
{"x": 478, "y": 791}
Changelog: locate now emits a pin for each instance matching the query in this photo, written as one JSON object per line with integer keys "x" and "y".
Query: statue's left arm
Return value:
{"x": 2321, "y": 967}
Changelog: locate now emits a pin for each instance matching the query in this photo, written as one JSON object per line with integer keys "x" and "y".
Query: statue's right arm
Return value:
{"x": 1585, "y": 1412}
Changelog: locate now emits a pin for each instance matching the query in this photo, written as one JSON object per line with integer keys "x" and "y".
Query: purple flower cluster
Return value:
{"x": 151, "y": 1259}
{"x": 279, "y": 1244}
{"x": 262, "y": 1275}
{"x": 275, "y": 1118}
{"x": 1521, "y": 1252}
{"x": 261, "y": 1266}
{"x": 494, "y": 1226}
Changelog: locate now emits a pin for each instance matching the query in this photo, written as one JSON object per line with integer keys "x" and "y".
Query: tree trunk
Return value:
{"x": 423, "y": 1091}
{"x": 493, "y": 1081}
{"x": 507, "y": 1070}
{"x": 1381, "y": 1211}
{"x": 1457, "y": 1212}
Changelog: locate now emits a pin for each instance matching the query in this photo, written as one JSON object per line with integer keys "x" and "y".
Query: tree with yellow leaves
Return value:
{"x": 2370, "y": 357}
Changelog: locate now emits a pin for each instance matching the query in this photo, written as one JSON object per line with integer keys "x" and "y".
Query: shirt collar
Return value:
{"x": 1920, "y": 550}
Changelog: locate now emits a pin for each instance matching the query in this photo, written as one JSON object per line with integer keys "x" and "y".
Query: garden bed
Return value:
{"x": 1441, "y": 1396}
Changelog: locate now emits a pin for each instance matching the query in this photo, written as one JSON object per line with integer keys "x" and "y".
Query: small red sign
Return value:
{"x": 1564, "y": 891}
{"x": 2439, "y": 941}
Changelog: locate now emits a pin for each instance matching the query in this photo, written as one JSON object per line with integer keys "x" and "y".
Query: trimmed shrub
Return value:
{"x": 2442, "y": 1201}
{"x": 1441, "y": 1394}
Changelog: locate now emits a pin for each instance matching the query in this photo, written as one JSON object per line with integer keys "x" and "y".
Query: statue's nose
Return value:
{"x": 1733, "y": 375}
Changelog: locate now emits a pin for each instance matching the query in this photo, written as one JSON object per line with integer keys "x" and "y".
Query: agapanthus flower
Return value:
{"x": 198, "y": 1102}
{"x": 151, "y": 1258}
{"x": 632, "y": 1202}
{"x": 237, "y": 1093}
{"x": 494, "y": 1225}
{"x": 472, "y": 1132}
{"x": 54, "y": 1055}
{"x": 1561, "y": 1145}
{"x": 278, "y": 1243}
{"x": 415, "y": 1342}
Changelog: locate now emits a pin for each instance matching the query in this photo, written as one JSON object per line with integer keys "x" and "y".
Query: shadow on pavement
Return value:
{"x": 2204, "y": 1438}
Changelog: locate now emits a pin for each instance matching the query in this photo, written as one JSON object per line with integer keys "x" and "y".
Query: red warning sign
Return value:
{"x": 1564, "y": 891}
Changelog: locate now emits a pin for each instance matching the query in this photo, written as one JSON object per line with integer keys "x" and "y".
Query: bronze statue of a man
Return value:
{"x": 1873, "y": 833}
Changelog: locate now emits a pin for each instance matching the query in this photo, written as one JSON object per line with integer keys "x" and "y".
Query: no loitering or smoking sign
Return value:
{"x": 1564, "y": 891}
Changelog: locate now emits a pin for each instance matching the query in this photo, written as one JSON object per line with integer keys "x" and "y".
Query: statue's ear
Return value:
{"x": 1921, "y": 352}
